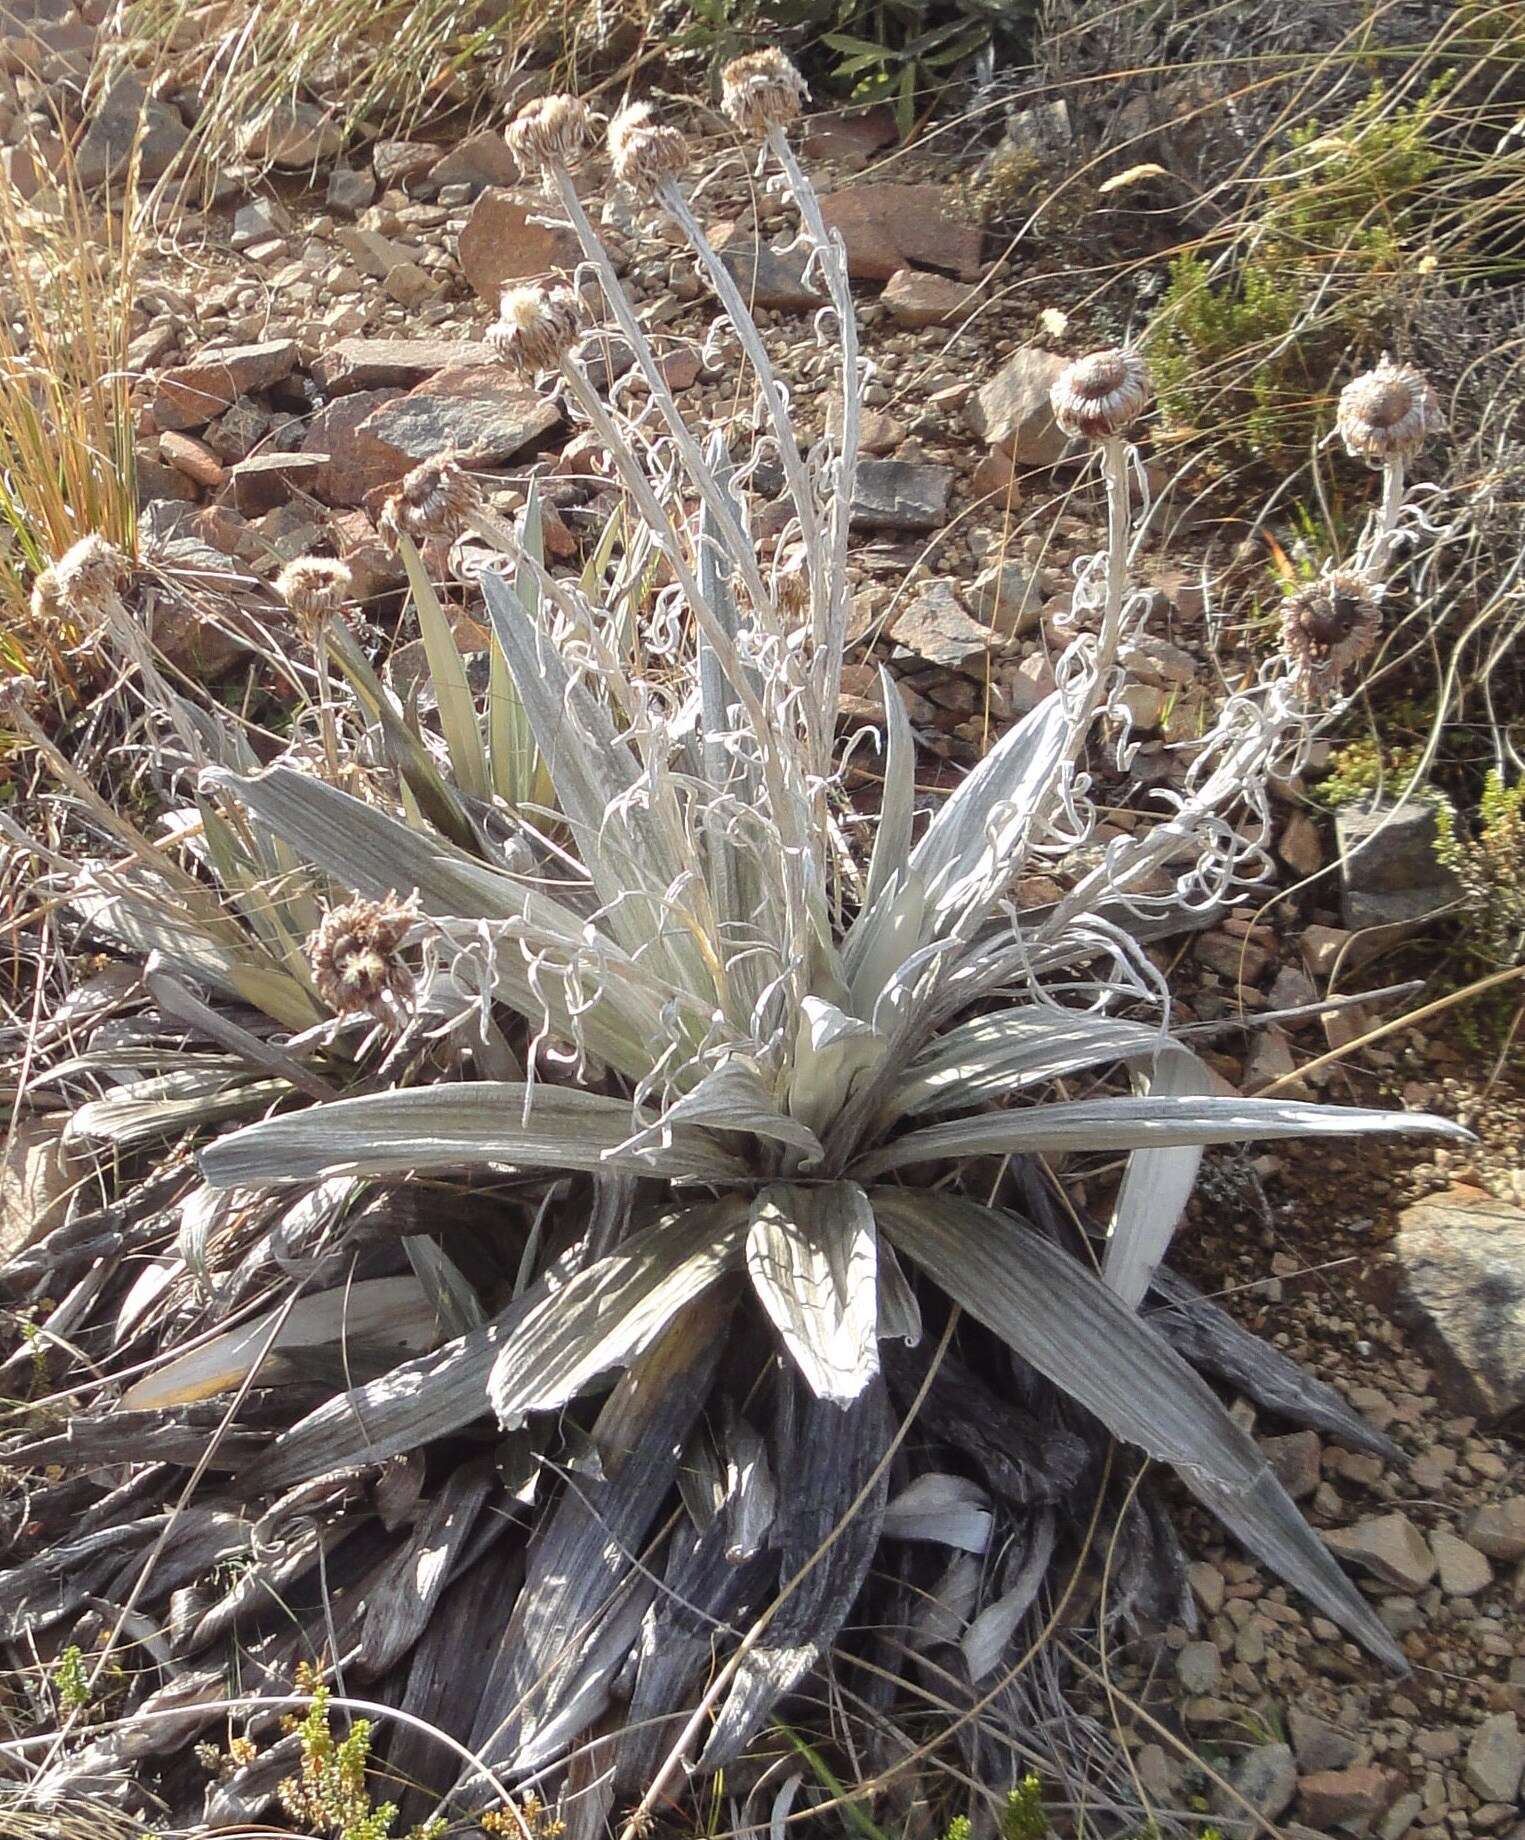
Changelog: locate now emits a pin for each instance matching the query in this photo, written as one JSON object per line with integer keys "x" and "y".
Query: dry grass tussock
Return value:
{"x": 66, "y": 453}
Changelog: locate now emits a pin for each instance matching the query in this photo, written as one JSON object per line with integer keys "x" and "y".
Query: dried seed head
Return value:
{"x": 535, "y": 327}
{"x": 1330, "y": 625}
{"x": 550, "y": 131}
{"x": 791, "y": 582}
{"x": 1388, "y": 413}
{"x": 356, "y": 957}
{"x": 313, "y": 587}
{"x": 47, "y": 602}
{"x": 88, "y": 576}
{"x": 1102, "y": 394}
{"x": 643, "y": 153}
{"x": 760, "y": 91}
{"x": 432, "y": 503}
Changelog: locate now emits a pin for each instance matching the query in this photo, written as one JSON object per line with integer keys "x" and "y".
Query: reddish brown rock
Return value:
{"x": 387, "y": 364}
{"x": 1013, "y": 412}
{"x": 915, "y": 298}
{"x": 266, "y": 480}
{"x": 192, "y": 457}
{"x": 849, "y": 136}
{"x": 482, "y": 410}
{"x": 500, "y": 245}
{"x": 1329, "y": 1797}
{"x": 481, "y": 159}
{"x": 354, "y": 466}
{"x": 888, "y": 227}
{"x": 399, "y": 162}
{"x": 191, "y": 394}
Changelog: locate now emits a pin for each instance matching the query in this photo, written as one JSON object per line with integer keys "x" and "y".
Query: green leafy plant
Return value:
{"x": 330, "y": 1794}
{"x": 1244, "y": 344}
{"x": 71, "y": 1681}
{"x": 1488, "y": 856}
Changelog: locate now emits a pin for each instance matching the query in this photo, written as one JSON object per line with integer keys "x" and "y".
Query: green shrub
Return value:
{"x": 1326, "y": 230}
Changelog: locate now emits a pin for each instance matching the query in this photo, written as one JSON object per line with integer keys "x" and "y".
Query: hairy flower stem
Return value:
{"x": 736, "y": 310}
{"x": 1377, "y": 561}
{"x": 328, "y": 727}
{"x": 740, "y": 547}
{"x": 782, "y": 807}
{"x": 832, "y": 618}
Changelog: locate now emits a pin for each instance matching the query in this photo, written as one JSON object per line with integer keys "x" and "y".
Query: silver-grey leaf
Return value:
{"x": 614, "y": 1310}
{"x": 447, "y": 1127}
{"x": 1156, "y": 1187}
{"x": 1142, "y": 1124}
{"x": 1002, "y": 1053}
{"x": 812, "y": 1256}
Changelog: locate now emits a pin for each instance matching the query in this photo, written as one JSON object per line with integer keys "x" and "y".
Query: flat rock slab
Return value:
{"x": 901, "y": 495}
{"x": 767, "y": 277}
{"x": 1461, "y": 1276}
{"x": 392, "y": 364}
{"x": 191, "y": 394}
{"x": 936, "y": 627}
{"x": 915, "y": 298}
{"x": 1388, "y": 868}
{"x": 264, "y": 481}
{"x": 481, "y": 159}
{"x": 480, "y": 410}
{"x": 1012, "y": 411}
{"x": 500, "y": 244}
{"x": 1390, "y": 1547}
{"x": 353, "y": 468}
{"x": 888, "y": 227}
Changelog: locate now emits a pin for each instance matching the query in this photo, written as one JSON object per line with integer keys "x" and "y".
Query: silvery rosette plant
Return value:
{"x": 625, "y": 1245}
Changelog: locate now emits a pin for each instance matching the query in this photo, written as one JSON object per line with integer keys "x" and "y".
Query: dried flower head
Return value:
{"x": 760, "y": 91}
{"x": 314, "y": 587}
{"x": 535, "y": 327}
{"x": 88, "y": 576}
{"x": 1388, "y": 413}
{"x": 432, "y": 503}
{"x": 791, "y": 582}
{"x": 643, "y": 153}
{"x": 550, "y": 131}
{"x": 1102, "y": 394}
{"x": 1330, "y": 625}
{"x": 356, "y": 957}
{"x": 47, "y": 603}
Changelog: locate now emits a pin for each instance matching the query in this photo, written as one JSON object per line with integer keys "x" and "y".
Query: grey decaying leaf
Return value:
{"x": 1210, "y": 1339}
{"x": 1074, "y": 1330}
{"x": 829, "y": 1455}
{"x": 580, "y": 1610}
{"x": 707, "y": 1590}
{"x": 399, "y": 1610}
